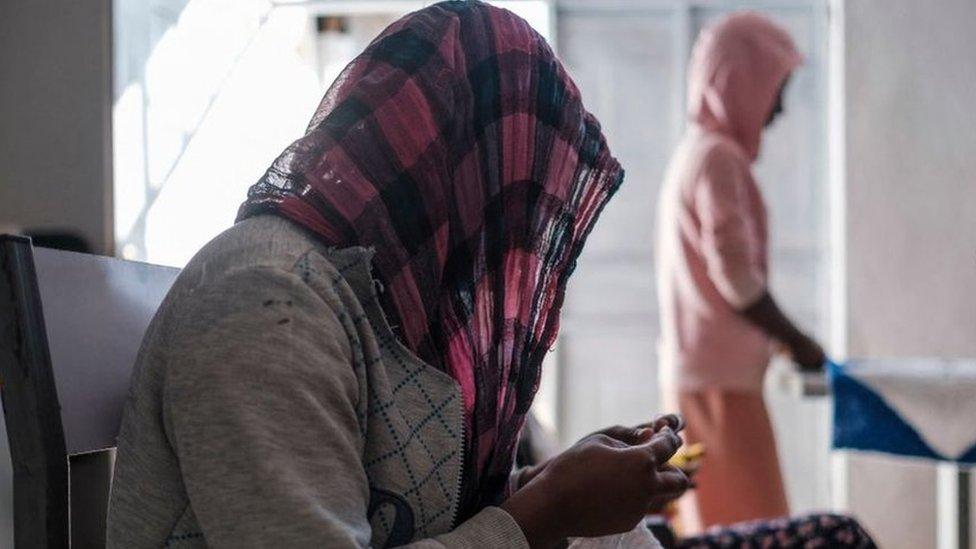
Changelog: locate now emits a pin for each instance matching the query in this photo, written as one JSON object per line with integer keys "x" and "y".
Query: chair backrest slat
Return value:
{"x": 70, "y": 328}
{"x": 96, "y": 310}
{"x": 31, "y": 415}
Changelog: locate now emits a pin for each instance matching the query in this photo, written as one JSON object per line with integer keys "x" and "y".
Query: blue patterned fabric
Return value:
{"x": 864, "y": 421}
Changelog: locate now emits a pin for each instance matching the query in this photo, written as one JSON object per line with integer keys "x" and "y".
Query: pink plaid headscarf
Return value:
{"x": 457, "y": 146}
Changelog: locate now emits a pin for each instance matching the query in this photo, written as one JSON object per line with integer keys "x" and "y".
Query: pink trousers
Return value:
{"x": 740, "y": 477}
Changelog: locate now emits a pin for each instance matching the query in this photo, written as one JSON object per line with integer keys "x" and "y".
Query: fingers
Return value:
{"x": 672, "y": 481}
{"x": 674, "y": 421}
{"x": 608, "y": 440}
{"x": 661, "y": 446}
{"x": 669, "y": 485}
{"x": 643, "y": 432}
{"x": 629, "y": 435}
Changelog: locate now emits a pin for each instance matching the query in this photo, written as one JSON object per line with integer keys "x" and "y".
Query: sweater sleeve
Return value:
{"x": 729, "y": 243}
{"x": 260, "y": 406}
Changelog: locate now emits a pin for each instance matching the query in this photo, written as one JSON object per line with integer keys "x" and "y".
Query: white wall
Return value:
{"x": 911, "y": 177}
{"x": 910, "y": 192}
{"x": 54, "y": 116}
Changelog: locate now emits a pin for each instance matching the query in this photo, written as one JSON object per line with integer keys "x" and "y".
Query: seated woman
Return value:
{"x": 351, "y": 363}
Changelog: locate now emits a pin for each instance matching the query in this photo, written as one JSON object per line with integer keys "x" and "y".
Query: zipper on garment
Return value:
{"x": 460, "y": 473}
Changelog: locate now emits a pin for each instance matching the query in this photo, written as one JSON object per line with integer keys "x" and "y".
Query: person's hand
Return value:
{"x": 628, "y": 435}
{"x": 807, "y": 353}
{"x": 642, "y": 433}
{"x": 600, "y": 486}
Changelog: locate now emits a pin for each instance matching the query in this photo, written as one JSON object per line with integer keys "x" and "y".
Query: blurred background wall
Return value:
{"x": 909, "y": 235}
{"x": 55, "y": 117}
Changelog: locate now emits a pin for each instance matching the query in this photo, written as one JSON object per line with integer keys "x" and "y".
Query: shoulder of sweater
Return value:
{"x": 265, "y": 241}
{"x": 263, "y": 255}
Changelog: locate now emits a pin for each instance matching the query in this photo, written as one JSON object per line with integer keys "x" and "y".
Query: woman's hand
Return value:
{"x": 600, "y": 486}
{"x": 642, "y": 433}
{"x": 629, "y": 435}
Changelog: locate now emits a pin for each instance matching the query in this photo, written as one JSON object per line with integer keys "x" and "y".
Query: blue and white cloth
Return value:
{"x": 910, "y": 407}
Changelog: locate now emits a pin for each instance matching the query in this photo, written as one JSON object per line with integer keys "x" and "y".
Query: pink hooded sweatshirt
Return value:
{"x": 712, "y": 234}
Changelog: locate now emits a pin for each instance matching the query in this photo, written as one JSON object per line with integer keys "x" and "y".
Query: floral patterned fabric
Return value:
{"x": 807, "y": 532}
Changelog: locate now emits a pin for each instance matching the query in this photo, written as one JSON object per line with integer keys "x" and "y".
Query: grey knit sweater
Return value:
{"x": 271, "y": 405}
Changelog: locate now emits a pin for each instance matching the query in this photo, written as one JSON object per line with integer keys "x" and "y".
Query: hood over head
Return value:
{"x": 737, "y": 68}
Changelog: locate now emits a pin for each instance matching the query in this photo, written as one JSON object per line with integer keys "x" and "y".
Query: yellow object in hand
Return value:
{"x": 687, "y": 457}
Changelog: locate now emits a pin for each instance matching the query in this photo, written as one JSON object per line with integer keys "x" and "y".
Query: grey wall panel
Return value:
{"x": 56, "y": 105}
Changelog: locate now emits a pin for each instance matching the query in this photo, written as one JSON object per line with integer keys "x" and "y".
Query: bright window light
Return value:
{"x": 209, "y": 92}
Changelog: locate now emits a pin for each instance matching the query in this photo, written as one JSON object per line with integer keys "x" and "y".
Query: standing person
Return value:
{"x": 718, "y": 317}
{"x": 351, "y": 363}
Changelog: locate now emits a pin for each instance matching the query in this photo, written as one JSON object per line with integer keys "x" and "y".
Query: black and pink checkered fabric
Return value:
{"x": 457, "y": 146}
